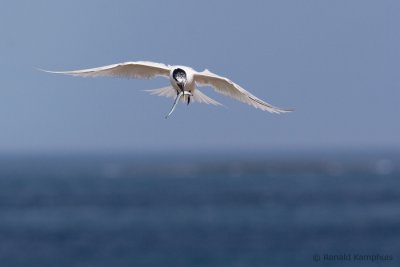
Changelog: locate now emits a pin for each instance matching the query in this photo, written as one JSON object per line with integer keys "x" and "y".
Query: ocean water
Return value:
{"x": 131, "y": 210}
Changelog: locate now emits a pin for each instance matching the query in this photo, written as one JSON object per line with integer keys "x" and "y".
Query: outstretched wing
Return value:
{"x": 227, "y": 87}
{"x": 139, "y": 69}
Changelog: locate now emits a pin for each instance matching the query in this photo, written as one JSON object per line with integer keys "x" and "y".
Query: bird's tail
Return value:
{"x": 198, "y": 96}
{"x": 165, "y": 91}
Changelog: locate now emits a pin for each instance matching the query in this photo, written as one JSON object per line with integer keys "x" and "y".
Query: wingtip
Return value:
{"x": 286, "y": 110}
{"x": 39, "y": 69}
{"x": 289, "y": 109}
{"x": 49, "y": 71}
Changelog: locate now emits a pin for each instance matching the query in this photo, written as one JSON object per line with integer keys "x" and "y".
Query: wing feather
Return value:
{"x": 227, "y": 87}
{"x": 139, "y": 69}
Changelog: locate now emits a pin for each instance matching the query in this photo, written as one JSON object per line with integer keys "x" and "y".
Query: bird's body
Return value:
{"x": 182, "y": 75}
{"x": 183, "y": 82}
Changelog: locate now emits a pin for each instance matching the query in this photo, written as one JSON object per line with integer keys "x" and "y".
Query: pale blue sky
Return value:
{"x": 336, "y": 62}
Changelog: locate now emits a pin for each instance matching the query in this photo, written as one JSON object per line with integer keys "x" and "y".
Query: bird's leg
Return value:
{"x": 189, "y": 94}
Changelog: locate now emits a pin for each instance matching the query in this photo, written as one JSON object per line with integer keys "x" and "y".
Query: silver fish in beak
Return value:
{"x": 182, "y": 93}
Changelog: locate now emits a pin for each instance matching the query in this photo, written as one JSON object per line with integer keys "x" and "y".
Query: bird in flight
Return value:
{"x": 183, "y": 83}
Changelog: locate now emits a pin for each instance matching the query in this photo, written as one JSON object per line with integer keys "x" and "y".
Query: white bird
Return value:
{"x": 183, "y": 82}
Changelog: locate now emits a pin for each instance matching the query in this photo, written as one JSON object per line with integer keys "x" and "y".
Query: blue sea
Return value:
{"x": 250, "y": 210}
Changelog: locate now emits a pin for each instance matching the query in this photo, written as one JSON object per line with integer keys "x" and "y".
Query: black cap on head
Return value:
{"x": 179, "y": 74}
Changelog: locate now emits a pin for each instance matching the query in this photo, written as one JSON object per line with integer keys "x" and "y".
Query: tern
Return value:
{"x": 183, "y": 83}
